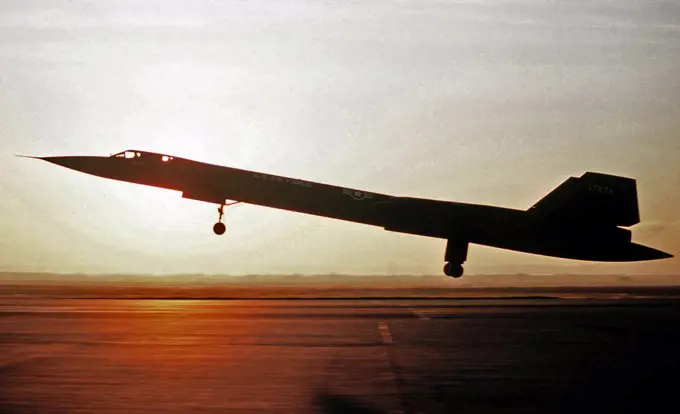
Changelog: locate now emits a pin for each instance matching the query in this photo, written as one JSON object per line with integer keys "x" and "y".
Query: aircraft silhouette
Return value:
{"x": 583, "y": 218}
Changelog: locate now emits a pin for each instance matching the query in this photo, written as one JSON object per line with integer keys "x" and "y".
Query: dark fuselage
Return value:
{"x": 526, "y": 231}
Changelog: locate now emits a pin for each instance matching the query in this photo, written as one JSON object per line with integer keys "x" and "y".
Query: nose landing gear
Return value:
{"x": 219, "y": 228}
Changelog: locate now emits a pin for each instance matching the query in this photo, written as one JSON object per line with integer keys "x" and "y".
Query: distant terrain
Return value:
{"x": 17, "y": 285}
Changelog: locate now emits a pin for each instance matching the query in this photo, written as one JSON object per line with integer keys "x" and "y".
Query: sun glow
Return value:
{"x": 149, "y": 210}
{"x": 169, "y": 305}
{"x": 399, "y": 101}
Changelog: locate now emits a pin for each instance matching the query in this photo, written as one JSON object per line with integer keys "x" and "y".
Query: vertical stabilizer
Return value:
{"x": 592, "y": 198}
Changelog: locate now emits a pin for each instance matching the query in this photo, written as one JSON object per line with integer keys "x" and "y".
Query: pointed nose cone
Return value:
{"x": 68, "y": 162}
{"x": 99, "y": 166}
{"x": 74, "y": 163}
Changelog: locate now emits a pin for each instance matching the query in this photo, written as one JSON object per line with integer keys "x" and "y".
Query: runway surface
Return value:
{"x": 338, "y": 356}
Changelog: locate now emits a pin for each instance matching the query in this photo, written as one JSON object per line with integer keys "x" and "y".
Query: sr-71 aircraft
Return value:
{"x": 583, "y": 218}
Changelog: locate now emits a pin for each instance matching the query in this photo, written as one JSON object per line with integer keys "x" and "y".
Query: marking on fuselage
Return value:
{"x": 357, "y": 194}
{"x": 276, "y": 178}
{"x": 600, "y": 189}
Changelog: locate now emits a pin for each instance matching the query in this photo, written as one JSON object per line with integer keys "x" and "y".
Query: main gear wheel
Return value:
{"x": 454, "y": 270}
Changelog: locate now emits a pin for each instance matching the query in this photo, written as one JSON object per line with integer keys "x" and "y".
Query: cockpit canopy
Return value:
{"x": 143, "y": 155}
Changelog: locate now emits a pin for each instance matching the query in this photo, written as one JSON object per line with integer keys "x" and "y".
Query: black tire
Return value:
{"x": 219, "y": 228}
{"x": 454, "y": 270}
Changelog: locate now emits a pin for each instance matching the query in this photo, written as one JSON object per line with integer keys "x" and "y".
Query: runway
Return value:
{"x": 337, "y": 356}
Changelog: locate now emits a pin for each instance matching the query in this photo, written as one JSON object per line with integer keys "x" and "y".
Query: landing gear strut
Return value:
{"x": 219, "y": 228}
{"x": 456, "y": 253}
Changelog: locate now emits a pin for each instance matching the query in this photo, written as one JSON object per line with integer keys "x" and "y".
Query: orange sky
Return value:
{"x": 484, "y": 102}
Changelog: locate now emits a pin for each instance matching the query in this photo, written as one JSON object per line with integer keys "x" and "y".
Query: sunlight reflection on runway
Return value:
{"x": 325, "y": 356}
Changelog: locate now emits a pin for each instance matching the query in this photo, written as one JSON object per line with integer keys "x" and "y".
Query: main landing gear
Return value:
{"x": 219, "y": 228}
{"x": 456, "y": 253}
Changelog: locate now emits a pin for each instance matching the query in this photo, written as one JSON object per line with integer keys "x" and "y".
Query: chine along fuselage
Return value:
{"x": 584, "y": 218}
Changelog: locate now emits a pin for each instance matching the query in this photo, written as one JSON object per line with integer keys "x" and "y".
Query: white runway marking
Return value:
{"x": 395, "y": 372}
{"x": 385, "y": 333}
{"x": 419, "y": 314}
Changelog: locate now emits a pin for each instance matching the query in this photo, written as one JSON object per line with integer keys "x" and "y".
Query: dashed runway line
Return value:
{"x": 385, "y": 333}
{"x": 387, "y": 339}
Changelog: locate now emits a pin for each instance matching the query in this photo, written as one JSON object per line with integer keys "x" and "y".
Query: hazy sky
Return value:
{"x": 480, "y": 101}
